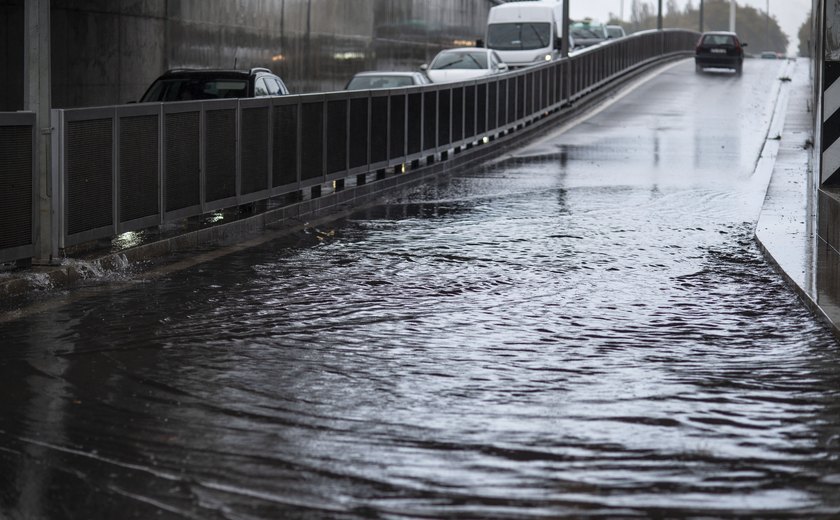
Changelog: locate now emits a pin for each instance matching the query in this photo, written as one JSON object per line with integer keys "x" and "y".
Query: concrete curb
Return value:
{"x": 786, "y": 231}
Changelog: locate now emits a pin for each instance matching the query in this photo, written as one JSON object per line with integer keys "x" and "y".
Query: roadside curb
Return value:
{"x": 786, "y": 231}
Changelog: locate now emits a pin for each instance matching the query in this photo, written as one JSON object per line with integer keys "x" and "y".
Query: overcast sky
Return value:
{"x": 789, "y": 13}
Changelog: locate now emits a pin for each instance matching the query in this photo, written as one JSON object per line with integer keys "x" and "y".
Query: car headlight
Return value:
{"x": 547, "y": 57}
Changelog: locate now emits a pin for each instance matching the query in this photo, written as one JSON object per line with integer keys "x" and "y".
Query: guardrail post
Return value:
{"x": 37, "y": 98}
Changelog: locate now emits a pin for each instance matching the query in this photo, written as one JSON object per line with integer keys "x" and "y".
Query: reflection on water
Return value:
{"x": 565, "y": 335}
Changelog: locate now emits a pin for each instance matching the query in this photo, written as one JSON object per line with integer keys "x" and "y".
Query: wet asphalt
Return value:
{"x": 585, "y": 328}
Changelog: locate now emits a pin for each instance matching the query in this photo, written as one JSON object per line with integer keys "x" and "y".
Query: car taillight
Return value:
{"x": 738, "y": 46}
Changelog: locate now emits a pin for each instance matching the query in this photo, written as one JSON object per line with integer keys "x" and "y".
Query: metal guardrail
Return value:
{"x": 18, "y": 186}
{"x": 125, "y": 168}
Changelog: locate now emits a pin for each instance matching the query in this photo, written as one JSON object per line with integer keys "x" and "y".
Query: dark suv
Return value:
{"x": 719, "y": 50}
{"x": 189, "y": 84}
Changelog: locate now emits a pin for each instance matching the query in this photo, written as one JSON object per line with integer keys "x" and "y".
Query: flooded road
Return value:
{"x": 586, "y": 328}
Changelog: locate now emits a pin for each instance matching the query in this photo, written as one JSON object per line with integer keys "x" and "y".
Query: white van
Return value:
{"x": 526, "y": 33}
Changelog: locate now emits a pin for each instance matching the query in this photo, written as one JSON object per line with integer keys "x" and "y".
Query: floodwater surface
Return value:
{"x": 585, "y": 328}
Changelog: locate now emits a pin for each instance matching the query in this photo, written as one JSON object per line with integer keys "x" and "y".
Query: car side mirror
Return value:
{"x": 424, "y": 66}
{"x": 479, "y": 43}
{"x": 558, "y": 43}
{"x": 744, "y": 45}
{"x": 503, "y": 67}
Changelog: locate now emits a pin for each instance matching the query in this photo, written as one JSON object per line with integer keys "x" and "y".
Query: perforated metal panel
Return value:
{"x": 183, "y": 182}
{"x": 285, "y": 145}
{"x": 492, "y": 105}
{"x": 457, "y": 114}
{"x": 379, "y": 130}
{"x": 220, "y": 154}
{"x": 337, "y": 136}
{"x": 512, "y": 92}
{"x": 358, "y": 132}
{"x": 139, "y": 165}
{"x": 503, "y": 102}
{"x": 430, "y": 120}
{"x": 254, "y": 133}
{"x": 444, "y": 117}
{"x": 469, "y": 111}
{"x": 397, "y": 126}
{"x": 312, "y": 141}
{"x": 89, "y": 175}
{"x": 415, "y": 123}
{"x": 15, "y": 186}
{"x": 481, "y": 109}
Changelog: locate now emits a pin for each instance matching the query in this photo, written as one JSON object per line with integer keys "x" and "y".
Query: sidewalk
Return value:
{"x": 787, "y": 227}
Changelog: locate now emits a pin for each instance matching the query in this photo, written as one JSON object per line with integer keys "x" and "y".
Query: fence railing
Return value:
{"x": 18, "y": 186}
{"x": 125, "y": 168}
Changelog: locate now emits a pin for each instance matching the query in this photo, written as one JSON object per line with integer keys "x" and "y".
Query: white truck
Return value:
{"x": 526, "y": 33}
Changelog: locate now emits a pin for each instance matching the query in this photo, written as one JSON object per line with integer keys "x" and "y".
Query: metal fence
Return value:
{"x": 124, "y": 168}
{"x": 18, "y": 186}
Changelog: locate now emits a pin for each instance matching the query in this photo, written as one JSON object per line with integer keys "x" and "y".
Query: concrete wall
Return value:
{"x": 108, "y": 51}
{"x": 11, "y": 55}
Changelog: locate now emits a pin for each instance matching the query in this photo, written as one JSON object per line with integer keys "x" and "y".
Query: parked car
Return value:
{"x": 189, "y": 84}
{"x": 374, "y": 80}
{"x": 464, "y": 63}
{"x": 616, "y": 31}
{"x": 585, "y": 34}
{"x": 720, "y": 50}
{"x": 769, "y": 55}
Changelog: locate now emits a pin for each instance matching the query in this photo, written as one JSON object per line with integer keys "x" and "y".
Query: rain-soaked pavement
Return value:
{"x": 587, "y": 329}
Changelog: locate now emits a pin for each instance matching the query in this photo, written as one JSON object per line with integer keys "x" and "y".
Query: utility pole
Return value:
{"x": 702, "y": 23}
{"x": 659, "y": 17}
{"x": 767, "y": 32}
{"x": 564, "y": 45}
{"x": 732, "y": 15}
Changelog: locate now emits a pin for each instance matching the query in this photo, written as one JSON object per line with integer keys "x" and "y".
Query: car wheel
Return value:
{"x": 739, "y": 69}
{"x": 698, "y": 69}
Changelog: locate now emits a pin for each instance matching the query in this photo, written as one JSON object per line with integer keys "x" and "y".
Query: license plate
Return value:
{"x": 718, "y": 51}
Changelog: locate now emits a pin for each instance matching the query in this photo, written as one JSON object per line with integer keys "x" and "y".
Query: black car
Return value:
{"x": 189, "y": 84}
{"x": 720, "y": 50}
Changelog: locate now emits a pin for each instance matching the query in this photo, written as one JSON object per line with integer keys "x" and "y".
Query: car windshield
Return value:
{"x": 185, "y": 89}
{"x": 718, "y": 39}
{"x": 588, "y": 32}
{"x": 615, "y": 32}
{"x": 518, "y": 36}
{"x": 373, "y": 82}
{"x": 460, "y": 60}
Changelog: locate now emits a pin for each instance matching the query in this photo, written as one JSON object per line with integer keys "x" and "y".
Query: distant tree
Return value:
{"x": 805, "y": 38}
{"x": 753, "y": 26}
{"x": 642, "y": 16}
{"x": 671, "y": 7}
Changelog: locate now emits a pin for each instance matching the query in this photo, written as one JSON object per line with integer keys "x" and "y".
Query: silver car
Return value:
{"x": 376, "y": 80}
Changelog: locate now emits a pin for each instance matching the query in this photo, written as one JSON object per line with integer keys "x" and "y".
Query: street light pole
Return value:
{"x": 767, "y": 37}
{"x": 701, "y": 16}
{"x": 731, "y": 15}
{"x": 659, "y": 17}
{"x": 564, "y": 44}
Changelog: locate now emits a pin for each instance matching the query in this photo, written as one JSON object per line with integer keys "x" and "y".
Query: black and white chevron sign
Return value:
{"x": 831, "y": 120}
